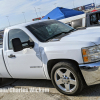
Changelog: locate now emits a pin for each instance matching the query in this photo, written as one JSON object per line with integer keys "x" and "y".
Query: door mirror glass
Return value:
{"x": 16, "y": 44}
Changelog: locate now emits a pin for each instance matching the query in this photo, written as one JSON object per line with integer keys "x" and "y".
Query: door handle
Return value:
{"x": 11, "y": 56}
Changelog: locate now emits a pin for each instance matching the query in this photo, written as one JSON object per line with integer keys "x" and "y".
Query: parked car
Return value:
{"x": 52, "y": 50}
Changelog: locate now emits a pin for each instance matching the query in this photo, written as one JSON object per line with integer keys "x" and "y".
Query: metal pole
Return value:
{"x": 24, "y": 16}
{"x": 55, "y": 4}
{"x": 40, "y": 12}
{"x": 36, "y": 12}
{"x": 8, "y": 20}
{"x": 73, "y": 4}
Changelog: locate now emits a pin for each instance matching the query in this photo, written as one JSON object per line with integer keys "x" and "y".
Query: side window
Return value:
{"x": 17, "y": 33}
{"x": 94, "y": 19}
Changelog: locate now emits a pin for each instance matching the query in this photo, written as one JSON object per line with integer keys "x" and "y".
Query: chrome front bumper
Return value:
{"x": 91, "y": 73}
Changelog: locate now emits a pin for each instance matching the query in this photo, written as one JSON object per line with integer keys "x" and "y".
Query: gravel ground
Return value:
{"x": 89, "y": 93}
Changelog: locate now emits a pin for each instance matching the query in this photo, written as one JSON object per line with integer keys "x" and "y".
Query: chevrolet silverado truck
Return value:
{"x": 49, "y": 49}
{"x": 85, "y": 20}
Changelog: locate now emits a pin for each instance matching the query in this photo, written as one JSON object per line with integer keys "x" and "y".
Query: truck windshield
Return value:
{"x": 47, "y": 29}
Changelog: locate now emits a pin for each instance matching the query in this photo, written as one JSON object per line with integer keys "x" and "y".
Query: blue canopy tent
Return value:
{"x": 61, "y": 13}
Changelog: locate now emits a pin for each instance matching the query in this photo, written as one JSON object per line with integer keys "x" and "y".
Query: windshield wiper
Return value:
{"x": 55, "y": 36}
{"x": 71, "y": 30}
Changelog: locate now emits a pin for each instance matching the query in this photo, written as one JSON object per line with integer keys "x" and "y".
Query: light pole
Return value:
{"x": 95, "y": 3}
{"x": 24, "y": 16}
{"x": 73, "y": 4}
{"x": 8, "y": 20}
{"x": 40, "y": 12}
{"x": 55, "y": 4}
{"x": 36, "y": 12}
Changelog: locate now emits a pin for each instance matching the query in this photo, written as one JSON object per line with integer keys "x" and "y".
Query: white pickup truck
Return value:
{"x": 49, "y": 49}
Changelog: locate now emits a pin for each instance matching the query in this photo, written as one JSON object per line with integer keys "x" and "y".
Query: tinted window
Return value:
{"x": 94, "y": 18}
{"x": 17, "y": 33}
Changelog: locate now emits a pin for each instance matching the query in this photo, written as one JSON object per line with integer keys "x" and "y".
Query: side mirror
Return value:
{"x": 31, "y": 44}
{"x": 16, "y": 44}
{"x": 98, "y": 21}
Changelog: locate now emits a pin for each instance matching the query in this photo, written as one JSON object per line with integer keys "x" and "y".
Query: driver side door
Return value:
{"x": 25, "y": 63}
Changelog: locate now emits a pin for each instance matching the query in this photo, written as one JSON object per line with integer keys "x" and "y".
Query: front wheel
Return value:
{"x": 66, "y": 78}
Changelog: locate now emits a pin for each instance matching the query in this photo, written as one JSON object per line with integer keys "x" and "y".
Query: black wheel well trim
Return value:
{"x": 52, "y": 62}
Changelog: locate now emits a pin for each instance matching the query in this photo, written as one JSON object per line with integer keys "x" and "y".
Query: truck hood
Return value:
{"x": 88, "y": 35}
{"x": 69, "y": 47}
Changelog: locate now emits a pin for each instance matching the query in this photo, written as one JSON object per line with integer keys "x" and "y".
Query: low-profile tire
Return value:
{"x": 66, "y": 78}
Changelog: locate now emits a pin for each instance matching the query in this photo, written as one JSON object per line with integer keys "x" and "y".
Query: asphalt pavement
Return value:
{"x": 89, "y": 93}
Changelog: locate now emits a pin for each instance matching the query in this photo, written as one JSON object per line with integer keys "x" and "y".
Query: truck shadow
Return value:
{"x": 27, "y": 83}
{"x": 90, "y": 91}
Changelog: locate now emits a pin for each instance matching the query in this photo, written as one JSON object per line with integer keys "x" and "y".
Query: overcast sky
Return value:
{"x": 14, "y": 8}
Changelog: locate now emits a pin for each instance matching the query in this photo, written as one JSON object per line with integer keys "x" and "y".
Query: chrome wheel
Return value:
{"x": 65, "y": 79}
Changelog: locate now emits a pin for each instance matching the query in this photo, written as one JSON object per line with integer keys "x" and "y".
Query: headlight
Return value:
{"x": 91, "y": 54}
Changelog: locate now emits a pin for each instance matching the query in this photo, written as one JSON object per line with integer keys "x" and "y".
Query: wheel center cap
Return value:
{"x": 66, "y": 80}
